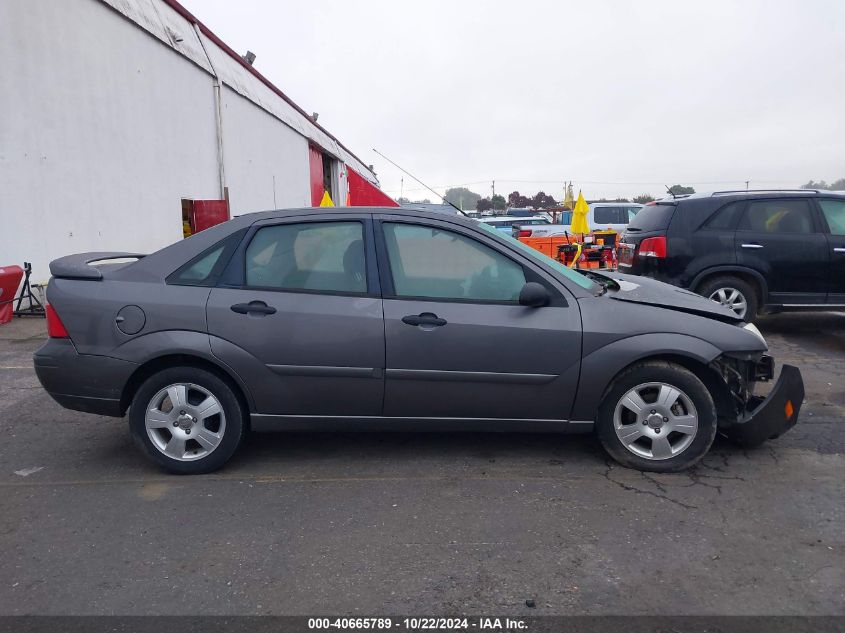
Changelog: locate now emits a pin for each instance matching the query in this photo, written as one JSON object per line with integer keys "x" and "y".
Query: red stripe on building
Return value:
{"x": 362, "y": 193}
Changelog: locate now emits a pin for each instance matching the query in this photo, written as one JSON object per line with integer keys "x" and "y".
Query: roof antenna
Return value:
{"x": 419, "y": 181}
{"x": 671, "y": 193}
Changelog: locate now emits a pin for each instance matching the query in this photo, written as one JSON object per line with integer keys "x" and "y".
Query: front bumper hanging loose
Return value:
{"x": 767, "y": 418}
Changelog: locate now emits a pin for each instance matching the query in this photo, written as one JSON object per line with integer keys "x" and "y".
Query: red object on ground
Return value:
{"x": 207, "y": 213}
{"x": 362, "y": 193}
{"x": 10, "y": 279}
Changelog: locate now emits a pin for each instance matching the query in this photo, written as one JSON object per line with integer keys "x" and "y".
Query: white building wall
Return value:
{"x": 266, "y": 162}
{"x": 108, "y": 119}
{"x": 103, "y": 131}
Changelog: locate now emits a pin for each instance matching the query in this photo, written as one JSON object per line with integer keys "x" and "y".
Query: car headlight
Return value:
{"x": 753, "y": 329}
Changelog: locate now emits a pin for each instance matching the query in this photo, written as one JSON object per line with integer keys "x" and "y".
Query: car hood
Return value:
{"x": 656, "y": 293}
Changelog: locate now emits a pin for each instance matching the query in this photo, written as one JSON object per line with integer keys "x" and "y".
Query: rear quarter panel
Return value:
{"x": 89, "y": 309}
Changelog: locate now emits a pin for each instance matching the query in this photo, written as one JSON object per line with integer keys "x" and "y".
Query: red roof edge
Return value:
{"x": 176, "y": 6}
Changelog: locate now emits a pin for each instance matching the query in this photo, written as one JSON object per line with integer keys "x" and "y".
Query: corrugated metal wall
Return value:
{"x": 109, "y": 119}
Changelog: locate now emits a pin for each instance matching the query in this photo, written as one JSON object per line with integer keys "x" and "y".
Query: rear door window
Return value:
{"x": 777, "y": 216}
{"x": 311, "y": 256}
{"x": 834, "y": 213}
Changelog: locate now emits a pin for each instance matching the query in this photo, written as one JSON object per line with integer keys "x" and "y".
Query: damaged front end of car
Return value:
{"x": 751, "y": 419}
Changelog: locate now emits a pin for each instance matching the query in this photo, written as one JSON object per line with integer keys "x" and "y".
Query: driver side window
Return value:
{"x": 436, "y": 263}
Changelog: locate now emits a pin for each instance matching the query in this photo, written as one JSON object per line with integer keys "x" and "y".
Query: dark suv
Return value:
{"x": 752, "y": 251}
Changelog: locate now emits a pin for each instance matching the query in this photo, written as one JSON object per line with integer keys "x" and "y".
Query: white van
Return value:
{"x": 602, "y": 215}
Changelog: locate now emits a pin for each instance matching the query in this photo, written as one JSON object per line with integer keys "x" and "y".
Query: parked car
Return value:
{"x": 601, "y": 215}
{"x": 506, "y": 223}
{"x": 386, "y": 318}
{"x": 751, "y": 251}
{"x": 517, "y": 212}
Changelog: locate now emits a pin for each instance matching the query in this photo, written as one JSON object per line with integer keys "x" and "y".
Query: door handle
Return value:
{"x": 253, "y": 307}
{"x": 839, "y": 249}
{"x": 426, "y": 318}
{"x": 752, "y": 246}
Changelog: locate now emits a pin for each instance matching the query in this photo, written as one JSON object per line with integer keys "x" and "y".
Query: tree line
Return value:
{"x": 836, "y": 185}
{"x": 469, "y": 200}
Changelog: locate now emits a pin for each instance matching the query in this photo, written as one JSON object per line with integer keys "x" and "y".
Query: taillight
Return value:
{"x": 653, "y": 247}
{"x": 55, "y": 327}
{"x": 524, "y": 233}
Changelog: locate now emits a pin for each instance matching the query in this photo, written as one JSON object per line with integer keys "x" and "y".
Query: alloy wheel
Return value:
{"x": 185, "y": 421}
{"x": 655, "y": 420}
{"x": 731, "y": 298}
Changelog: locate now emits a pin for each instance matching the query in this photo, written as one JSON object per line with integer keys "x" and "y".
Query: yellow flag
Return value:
{"x": 580, "y": 226}
{"x": 327, "y": 200}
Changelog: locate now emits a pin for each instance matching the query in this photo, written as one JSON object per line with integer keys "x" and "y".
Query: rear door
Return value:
{"x": 833, "y": 212}
{"x": 782, "y": 239}
{"x": 459, "y": 345}
{"x": 303, "y": 300}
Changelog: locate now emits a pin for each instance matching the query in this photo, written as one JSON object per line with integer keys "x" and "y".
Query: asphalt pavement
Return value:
{"x": 390, "y": 524}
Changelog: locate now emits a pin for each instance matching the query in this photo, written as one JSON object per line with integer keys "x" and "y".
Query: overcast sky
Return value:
{"x": 535, "y": 93}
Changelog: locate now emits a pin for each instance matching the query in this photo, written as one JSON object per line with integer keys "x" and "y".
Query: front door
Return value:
{"x": 781, "y": 239}
{"x": 833, "y": 211}
{"x": 459, "y": 345}
{"x": 305, "y": 328}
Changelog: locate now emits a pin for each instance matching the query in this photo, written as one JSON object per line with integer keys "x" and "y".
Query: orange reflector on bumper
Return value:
{"x": 788, "y": 409}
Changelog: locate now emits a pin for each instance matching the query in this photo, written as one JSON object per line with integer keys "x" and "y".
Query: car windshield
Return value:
{"x": 567, "y": 272}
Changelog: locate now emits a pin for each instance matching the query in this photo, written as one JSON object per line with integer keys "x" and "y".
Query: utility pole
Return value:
{"x": 746, "y": 184}
{"x": 402, "y": 187}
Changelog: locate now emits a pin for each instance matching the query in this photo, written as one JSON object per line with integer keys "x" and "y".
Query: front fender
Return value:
{"x": 600, "y": 366}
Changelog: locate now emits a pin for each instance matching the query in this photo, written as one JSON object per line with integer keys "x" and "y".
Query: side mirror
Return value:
{"x": 534, "y": 295}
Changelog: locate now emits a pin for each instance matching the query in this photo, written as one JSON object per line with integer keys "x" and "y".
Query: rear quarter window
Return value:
{"x": 725, "y": 219}
{"x": 205, "y": 269}
{"x": 655, "y": 217}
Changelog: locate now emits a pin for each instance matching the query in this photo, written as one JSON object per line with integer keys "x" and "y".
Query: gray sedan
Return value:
{"x": 377, "y": 318}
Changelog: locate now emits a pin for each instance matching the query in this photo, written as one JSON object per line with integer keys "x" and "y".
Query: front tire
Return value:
{"x": 188, "y": 420}
{"x": 657, "y": 416}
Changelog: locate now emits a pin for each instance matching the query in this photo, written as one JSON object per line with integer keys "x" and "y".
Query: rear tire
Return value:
{"x": 657, "y": 416}
{"x": 187, "y": 420}
{"x": 733, "y": 293}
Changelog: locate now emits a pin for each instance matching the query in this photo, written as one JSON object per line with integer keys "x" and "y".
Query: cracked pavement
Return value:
{"x": 375, "y": 524}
